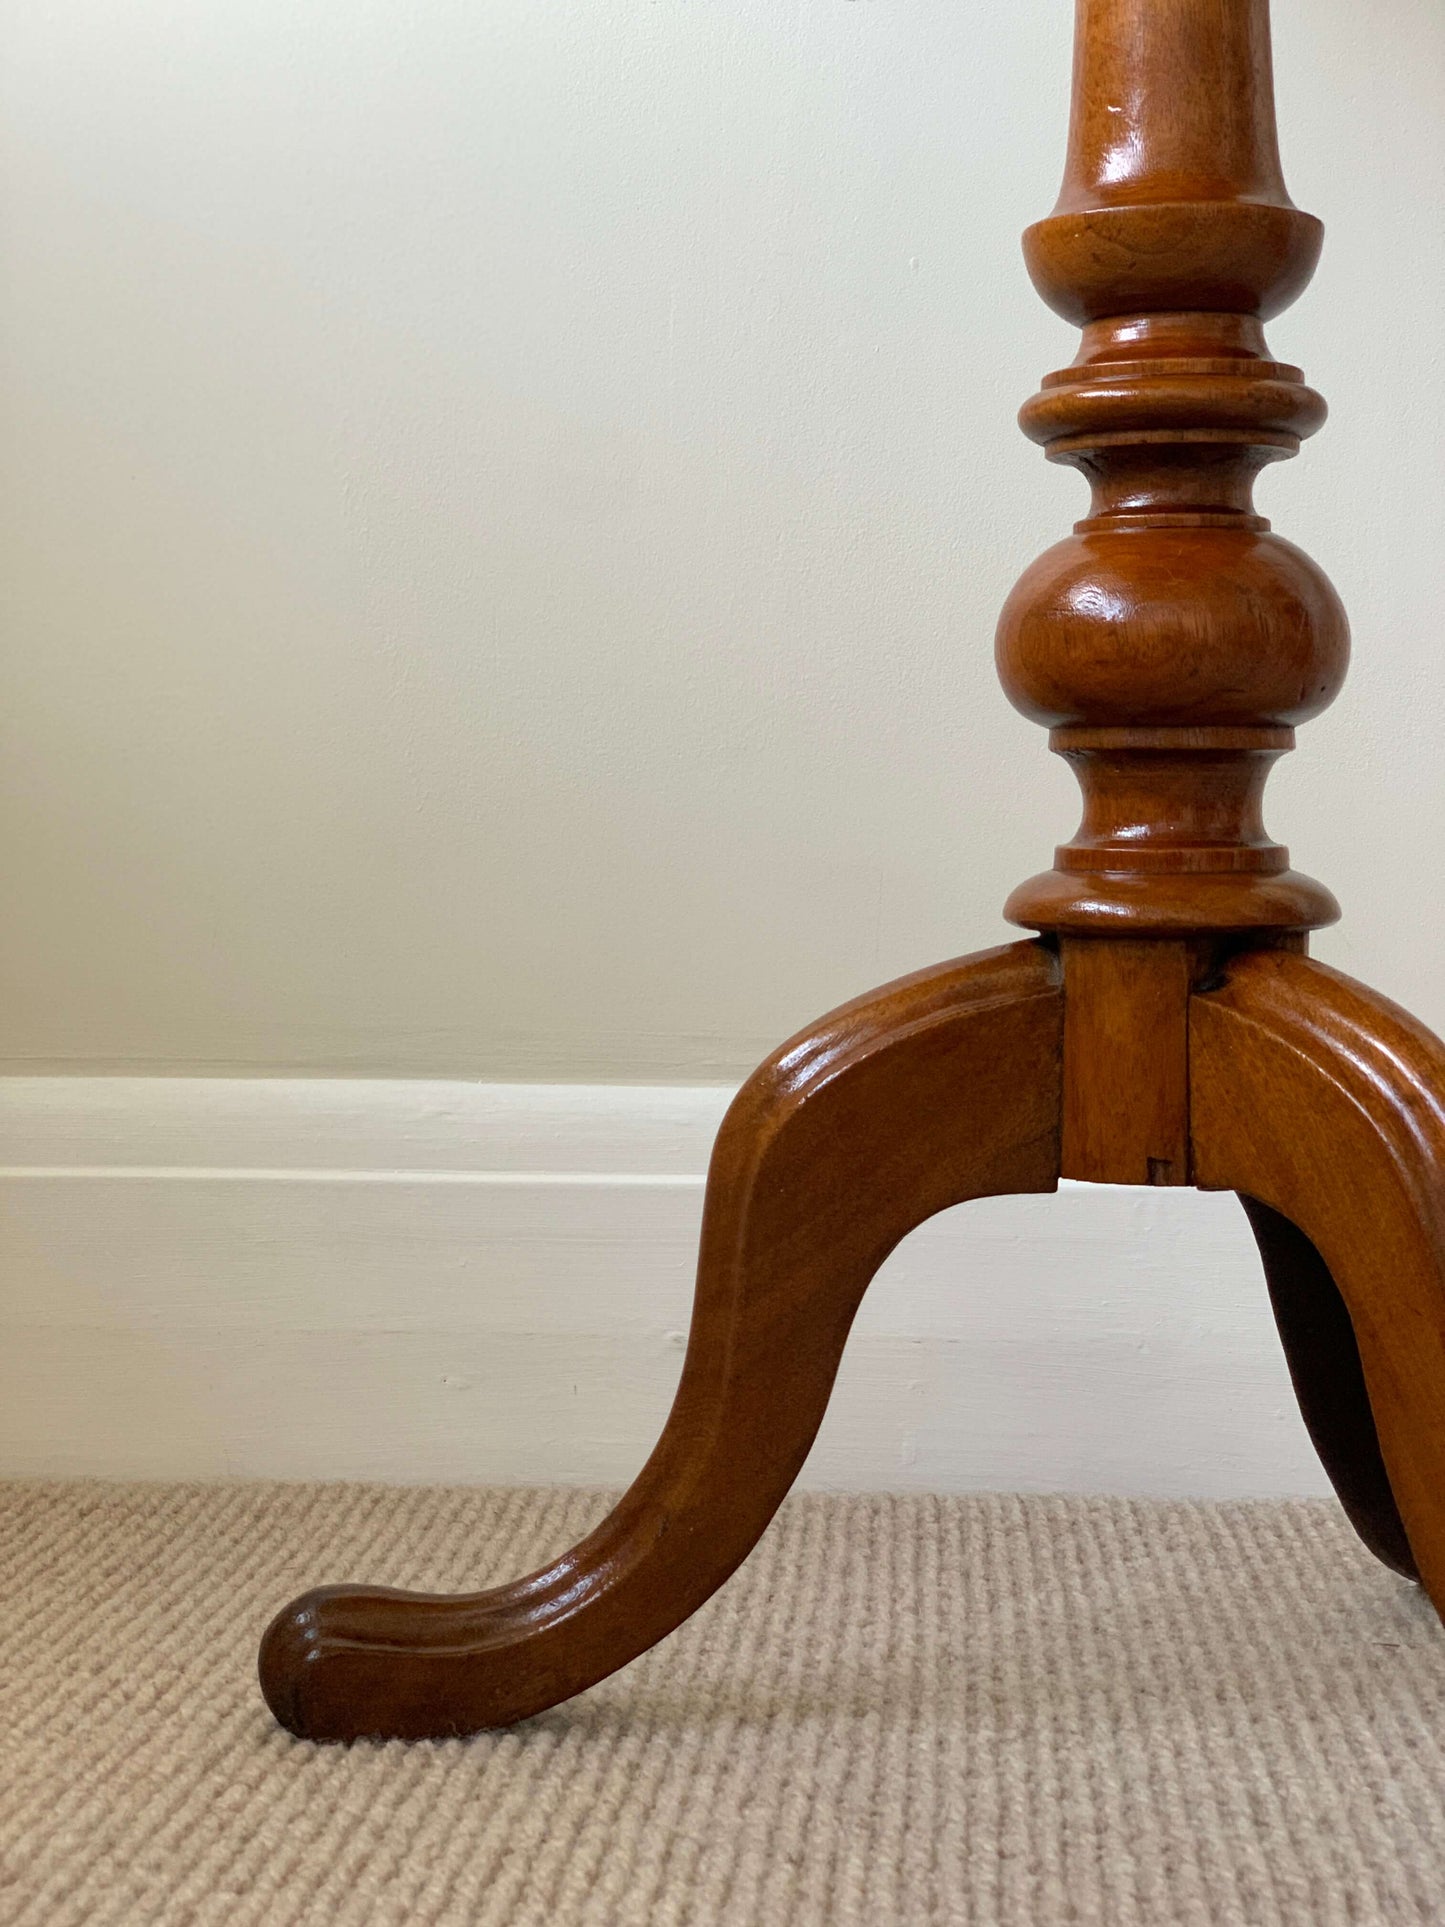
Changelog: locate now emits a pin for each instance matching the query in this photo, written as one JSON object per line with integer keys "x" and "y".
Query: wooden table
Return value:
{"x": 1165, "y": 1024}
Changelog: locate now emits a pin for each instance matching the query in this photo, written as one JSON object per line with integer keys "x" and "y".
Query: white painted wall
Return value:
{"x": 353, "y": 1279}
{"x": 505, "y": 504}
{"x": 502, "y": 512}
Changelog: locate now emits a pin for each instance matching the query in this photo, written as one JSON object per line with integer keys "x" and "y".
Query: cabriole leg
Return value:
{"x": 940, "y": 1088}
{"x": 1326, "y": 1103}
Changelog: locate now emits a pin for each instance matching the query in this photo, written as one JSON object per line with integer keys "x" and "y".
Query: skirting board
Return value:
{"x": 454, "y": 1281}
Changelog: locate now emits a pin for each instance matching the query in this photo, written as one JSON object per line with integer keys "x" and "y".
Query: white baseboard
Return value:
{"x": 396, "y": 1280}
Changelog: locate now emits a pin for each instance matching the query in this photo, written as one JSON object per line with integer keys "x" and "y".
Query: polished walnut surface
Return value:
{"x": 1165, "y": 1024}
{"x": 1173, "y": 641}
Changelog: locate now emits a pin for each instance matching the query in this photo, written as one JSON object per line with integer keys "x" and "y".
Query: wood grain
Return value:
{"x": 1126, "y": 1061}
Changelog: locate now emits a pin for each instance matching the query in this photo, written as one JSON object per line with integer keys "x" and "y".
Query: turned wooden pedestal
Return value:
{"x": 1164, "y": 1026}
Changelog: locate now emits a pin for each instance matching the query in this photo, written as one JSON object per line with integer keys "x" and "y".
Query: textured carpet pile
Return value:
{"x": 902, "y": 1710}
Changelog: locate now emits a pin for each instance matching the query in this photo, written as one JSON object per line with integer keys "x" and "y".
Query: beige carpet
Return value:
{"x": 902, "y": 1711}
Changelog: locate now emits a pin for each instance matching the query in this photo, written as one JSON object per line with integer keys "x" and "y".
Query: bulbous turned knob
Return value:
{"x": 1173, "y": 628}
{"x": 1172, "y": 642}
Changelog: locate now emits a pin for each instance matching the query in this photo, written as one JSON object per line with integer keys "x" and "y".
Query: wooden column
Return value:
{"x": 1172, "y": 642}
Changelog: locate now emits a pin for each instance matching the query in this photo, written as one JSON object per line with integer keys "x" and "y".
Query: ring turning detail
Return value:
{"x": 1163, "y": 1024}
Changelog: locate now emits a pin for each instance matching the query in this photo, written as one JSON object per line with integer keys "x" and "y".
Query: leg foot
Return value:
{"x": 938, "y": 1089}
{"x": 1326, "y": 1103}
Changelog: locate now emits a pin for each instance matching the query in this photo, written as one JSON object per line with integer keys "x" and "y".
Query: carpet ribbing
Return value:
{"x": 903, "y": 1710}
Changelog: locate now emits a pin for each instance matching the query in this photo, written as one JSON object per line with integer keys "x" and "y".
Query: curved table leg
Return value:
{"x": 1329, "y": 1382}
{"x": 937, "y": 1089}
{"x": 1326, "y": 1103}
